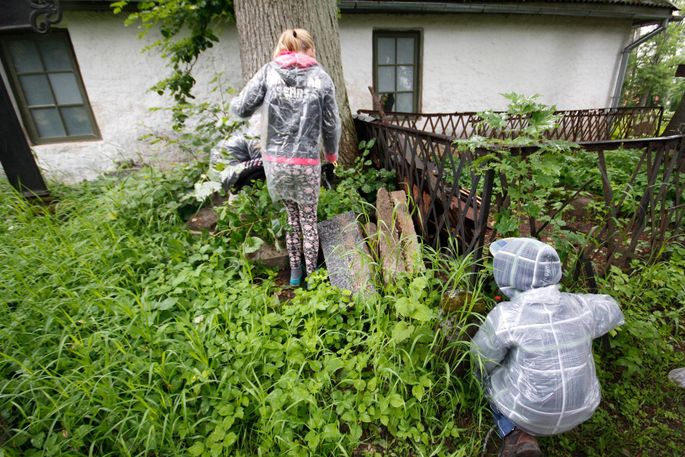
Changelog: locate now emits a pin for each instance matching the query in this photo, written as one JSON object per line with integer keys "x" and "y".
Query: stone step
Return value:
{"x": 411, "y": 251}
{"x": 391, "y": 258}
{"x": 347, "y": 257}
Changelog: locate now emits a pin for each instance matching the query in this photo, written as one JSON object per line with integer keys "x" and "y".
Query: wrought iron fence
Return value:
{"x": 574, "y": 125}
{"x": 455, "y": 200}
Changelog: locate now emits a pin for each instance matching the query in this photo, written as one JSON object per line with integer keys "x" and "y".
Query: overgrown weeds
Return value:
{"x": 124, "y": 335}
{"x": 121, "y": 334}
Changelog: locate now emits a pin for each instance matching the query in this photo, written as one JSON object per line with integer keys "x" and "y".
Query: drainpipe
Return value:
{"x": 625, "y": 56}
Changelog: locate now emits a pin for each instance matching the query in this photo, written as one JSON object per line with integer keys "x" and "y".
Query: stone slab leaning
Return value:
{"x": 347, "y": 258}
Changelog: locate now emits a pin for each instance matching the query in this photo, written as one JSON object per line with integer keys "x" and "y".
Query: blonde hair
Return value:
{"x": 295, "y": 40}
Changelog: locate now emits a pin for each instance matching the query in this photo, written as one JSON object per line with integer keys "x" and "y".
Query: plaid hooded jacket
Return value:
{"x": 535, "y": 351}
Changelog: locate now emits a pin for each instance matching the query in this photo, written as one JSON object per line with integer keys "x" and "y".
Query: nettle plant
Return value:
{"x": 356, "y": 185}
{"x": 527, "y": 163}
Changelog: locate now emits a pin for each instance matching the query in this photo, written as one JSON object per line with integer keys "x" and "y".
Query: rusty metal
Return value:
{"x": 431, "y": 171}
{"x": 455, "y": 201}
{"x": 574, "y": 125}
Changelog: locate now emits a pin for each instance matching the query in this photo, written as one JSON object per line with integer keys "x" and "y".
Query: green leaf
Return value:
{"x": 422, "y": 313}
{"x": 330, "y": 432}
{"x": 404, "y": 306}
{"x": 418, "y": 391}
{"x": 401, "y": 332}
{"x": 38, "y": 439}
{"x": 196, "y": 449}
{"x": 396, "y": 400}
{"x": 312, "y": 439}
{"x": 166, "y": 304}
{"x": 413, "y": 309}
{"x": 203, "y": 190}
{"x": 252, "y": 244}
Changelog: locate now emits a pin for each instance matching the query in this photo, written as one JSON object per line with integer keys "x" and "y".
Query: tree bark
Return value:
{"x": 677, "y": 123}
{"x": 260, "y": 23}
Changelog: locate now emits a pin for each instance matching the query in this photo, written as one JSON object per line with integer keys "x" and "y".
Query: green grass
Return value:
{"x": 122, "y": 334}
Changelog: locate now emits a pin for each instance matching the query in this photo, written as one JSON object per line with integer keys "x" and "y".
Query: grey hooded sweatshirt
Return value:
{"x": 298, "y": 104}
{"x": 535, "y": 351}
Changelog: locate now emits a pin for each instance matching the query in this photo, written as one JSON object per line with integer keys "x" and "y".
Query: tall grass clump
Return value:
{"x": 121, "y": 334}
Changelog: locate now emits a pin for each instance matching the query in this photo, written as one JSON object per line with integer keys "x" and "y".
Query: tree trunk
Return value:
{"x": 260, "y": 23}
{"x": 677, "y": 123}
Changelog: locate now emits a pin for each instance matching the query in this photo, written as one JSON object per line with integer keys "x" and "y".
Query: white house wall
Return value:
{"x": 467, "y": 61}
{"x": 117, "y": 76}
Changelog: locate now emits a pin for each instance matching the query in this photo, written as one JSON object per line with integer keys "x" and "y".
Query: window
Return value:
{"x": 47, "y": 87}
{"x": 396, "y": 70}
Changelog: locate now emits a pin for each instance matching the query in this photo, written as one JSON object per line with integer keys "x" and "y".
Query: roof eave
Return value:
{"x": 638, "y": 14}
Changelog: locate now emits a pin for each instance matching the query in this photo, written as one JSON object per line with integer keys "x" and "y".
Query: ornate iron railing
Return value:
{"x": 454, "y": 200}
{"x": 574, "y": 125}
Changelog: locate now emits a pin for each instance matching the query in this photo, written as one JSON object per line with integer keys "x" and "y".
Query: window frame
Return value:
{"x": 418, "y": 67}
{"x": 19, "y": 96}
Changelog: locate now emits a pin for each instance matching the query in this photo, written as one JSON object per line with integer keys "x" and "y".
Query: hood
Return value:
{"x": 521, "y": 264}
{"x": 292, "y": 66}
{"x": 289, "y": 59}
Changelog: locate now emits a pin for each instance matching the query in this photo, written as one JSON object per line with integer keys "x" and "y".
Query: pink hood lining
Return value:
{"x": 287, "y": 59}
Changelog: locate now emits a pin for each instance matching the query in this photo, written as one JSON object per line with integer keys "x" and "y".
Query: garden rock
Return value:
{"x": 408, "y": 239}
{"x": 347, "y": 257}
{"x": 269, "y": 256}
{"x": 678, "y": 376}
{"x": 391, "y": 259}
{"x": 203, "y": 220}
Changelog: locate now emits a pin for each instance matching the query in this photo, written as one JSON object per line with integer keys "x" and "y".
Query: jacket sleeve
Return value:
{"x": 487, "y": 348}
{"x": 606, "y": 314}
{"x": 330, "y": 120}
{"x": 251, "y": 97}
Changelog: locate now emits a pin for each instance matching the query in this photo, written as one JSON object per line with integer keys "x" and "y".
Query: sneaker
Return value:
{"x": 296, "y": 277}
{"x": 520, "y": 444}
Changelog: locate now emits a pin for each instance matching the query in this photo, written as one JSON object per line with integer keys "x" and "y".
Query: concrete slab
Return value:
{"x": 347, "y": 258}
{"x": 391, "y": 259}
{"x": 411, "y": 250}
{"x": 269, "y": 256}
{"x": 678, "y": 376}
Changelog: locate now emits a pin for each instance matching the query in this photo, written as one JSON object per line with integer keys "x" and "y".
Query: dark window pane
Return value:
{"x": 405, "y": 50}
{"x": 36, "y": 90}
{"x": 66, "y": 88}
{"x": 386, "y": 51}
{"x": 388, "y": 101}
{"x": 405, "y": 103}
{"x": 77, "y": 121}
{"x": 25, "y": 56}
{"x": 405, "y": 78}
{"x": 386, "y": 79}
{"x": 48, "y": 122}
{"x": 55, "y": 55}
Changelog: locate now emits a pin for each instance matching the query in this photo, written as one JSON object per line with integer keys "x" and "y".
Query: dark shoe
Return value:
{"x": 520, "y": 444}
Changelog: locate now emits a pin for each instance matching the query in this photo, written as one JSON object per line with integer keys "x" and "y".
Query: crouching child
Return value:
{"x": 534, "y": 352}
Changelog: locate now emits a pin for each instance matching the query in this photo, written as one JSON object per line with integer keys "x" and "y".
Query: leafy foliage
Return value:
{"x": 186, "y": 31}
{"x": 527, "y": 179}
{"x": 651, "y": 69}
{"x": 357, "y": 186}
{"x": 252, "y": 214}
{"x": 205, "y": 123}
{"x": 124, "y": 335}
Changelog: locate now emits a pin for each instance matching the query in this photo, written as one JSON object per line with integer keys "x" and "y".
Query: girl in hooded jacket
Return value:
{"x": 297, "y": 98}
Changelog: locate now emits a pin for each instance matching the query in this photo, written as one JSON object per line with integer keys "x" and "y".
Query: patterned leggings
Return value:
{"x": 302, "y": 222}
